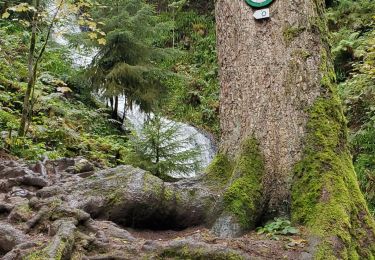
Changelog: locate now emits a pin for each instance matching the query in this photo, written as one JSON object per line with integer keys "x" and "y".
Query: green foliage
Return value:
{"x": 354, "y": 52}
{"x": 126, "y": 64}
{"x": 279, "y": 226}
{"x": 13, "y": 43}
{"x": 193, "y": 94}
{"x": 160, "y": 144}
{"x": 62, "y": 124}
{"x": 350, "y": 23}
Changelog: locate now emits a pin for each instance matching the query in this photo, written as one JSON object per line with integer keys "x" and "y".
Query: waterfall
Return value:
{"x": 80, "y": 56}
{"x": 135, "y": 116}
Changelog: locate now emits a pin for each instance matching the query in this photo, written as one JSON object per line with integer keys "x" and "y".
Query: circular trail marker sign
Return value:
{"x": 258, "y": 3}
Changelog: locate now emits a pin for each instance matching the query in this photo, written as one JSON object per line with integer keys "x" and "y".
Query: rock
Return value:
{"x": 32, "y": 222}
{"x": 187, "y": 249}
{"x": 101, "y": 237}
{"x": 40, "y": 168}
{"x": 5, "y": 207}
{"x": 50, "y": 191}
{"x": 82, "y": 165}
{"x": 113, "y": 231}
{"x": 30, "y": 180}
{"x": 19, "y": 192}
{"x": 17, "y": 251}
{"x": 35, "y": 203}
{"x": 10, "y": 237}
{"x": 20, "y": 213}
{"x": 135, "y": 198}
{"x": 75, "y": 218}
{"x": 14, "y": 173}
{"x": 86, "y": 174}
{"x": 64, "y": 211}
{"x": 226, "y": 226}
{"x": 54, "y": 167}
{"x": 11, "y": 172}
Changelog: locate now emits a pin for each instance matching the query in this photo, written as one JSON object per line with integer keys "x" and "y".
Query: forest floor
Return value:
{"x": 39, "y": 221}
{"x": 253, "y": 245}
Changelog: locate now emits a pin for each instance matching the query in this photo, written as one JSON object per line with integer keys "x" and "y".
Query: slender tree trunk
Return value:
{"x": 174, "y": 30}
{"x": 124, "y": 114}
{"x": 283, "y": 124}
{"x": 31, "y": 78}
{"x": 3, "y": 7}
{"x": 111, "y": 103}
{"x": 115, "y": 108}
{"x": 33, "y": 66}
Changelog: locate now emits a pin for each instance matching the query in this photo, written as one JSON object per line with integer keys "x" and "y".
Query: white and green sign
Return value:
{"x": 258, "y": 3}
{"x": 262, "y": 14}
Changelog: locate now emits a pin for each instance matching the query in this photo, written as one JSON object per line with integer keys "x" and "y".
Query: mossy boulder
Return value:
{"x": 135, "y": 198}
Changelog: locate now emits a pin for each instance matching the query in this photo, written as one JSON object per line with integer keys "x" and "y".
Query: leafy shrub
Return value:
{"x": 278, "y": 227}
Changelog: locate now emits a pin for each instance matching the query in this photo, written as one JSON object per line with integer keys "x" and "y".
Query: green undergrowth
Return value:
{"x": 243, "y": 193}
{"x": 352, "y": 27}
{"x": 193, "y": 93}
{"x": 66, "y": 121}
{"x": 326, "y": 196}
{"x": 279, "y": 226}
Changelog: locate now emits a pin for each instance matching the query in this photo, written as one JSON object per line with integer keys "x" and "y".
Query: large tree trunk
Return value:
{"x": 283, "y": 123}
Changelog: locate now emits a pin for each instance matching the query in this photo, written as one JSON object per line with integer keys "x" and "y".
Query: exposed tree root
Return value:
{"x": 56, "y": 214}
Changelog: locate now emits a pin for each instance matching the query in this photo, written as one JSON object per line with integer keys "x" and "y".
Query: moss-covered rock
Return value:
{"x": 61, "y": 245}
{"x": 135, "y": 198}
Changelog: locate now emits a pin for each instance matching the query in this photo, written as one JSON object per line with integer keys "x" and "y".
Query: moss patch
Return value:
{"x": 302, "y": 54}
{"x": 243, "y": 193}
{"x": 326, "y": 197}
{"x": 37, "y": 255}
{"x": 220, "y": 170}
{"x": 198, "y": 254}
{"x": 243, "y": 196}
{"x": 292, "y": 32}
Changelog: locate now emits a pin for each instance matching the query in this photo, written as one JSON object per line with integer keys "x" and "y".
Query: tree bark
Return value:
{"x": 33, "y": 67}
{"x": 31, "y": 78}
{"x": 115, "y": 108}
{"x": 280, "y": 115}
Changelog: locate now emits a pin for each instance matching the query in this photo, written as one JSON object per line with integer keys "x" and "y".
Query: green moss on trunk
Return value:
{"x": 243, "y": 193}
{"x": 326, "y": 196}
{"x": 243, "y": 196}
{"x": 219, "y": 171}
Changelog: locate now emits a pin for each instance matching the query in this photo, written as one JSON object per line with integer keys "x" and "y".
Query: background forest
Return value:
{"x": 164, "y": 53}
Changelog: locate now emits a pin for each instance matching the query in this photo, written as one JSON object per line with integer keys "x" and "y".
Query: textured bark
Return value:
{"x": 265, "y": 84}
{"x": 278, "y": 88}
